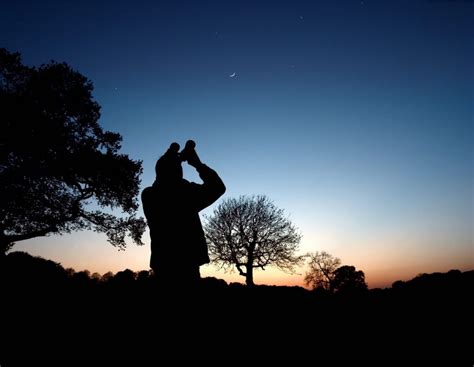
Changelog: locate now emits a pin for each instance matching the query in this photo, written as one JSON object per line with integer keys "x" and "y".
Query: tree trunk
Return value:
{"x": 4, "y": 247}
{"x": 249, "y": 272}
{"x": 249, "y": 277}
{"x": 5, "y": 244}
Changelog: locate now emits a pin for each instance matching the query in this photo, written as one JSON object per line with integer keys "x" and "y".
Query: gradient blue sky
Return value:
{"x": 355, "y": 117}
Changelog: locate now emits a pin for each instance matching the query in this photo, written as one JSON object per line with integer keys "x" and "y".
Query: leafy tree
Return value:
{"x": 22, "y": 267}
{"x": 249, "y": 233}
{"x": 348, "y": 279}
{"x": 143, "y": 275}
{"x": 96, "y": 277}
{"x": 55, "y": 159}
{"x": 82, "y": 278}
{"x": 322, "y": 267}
{"x": 107, "y": 276}
{"x": 124, "y": 278}
{"x": 69, "y": 272}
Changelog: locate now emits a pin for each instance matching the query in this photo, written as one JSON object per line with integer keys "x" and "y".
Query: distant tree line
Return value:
{"x": 22, "y": 268}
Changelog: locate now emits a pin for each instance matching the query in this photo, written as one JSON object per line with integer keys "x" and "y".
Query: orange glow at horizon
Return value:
{"x": 382, "y": 265}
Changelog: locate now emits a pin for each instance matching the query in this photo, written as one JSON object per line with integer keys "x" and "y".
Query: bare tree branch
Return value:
{"x": 322, "y": 267}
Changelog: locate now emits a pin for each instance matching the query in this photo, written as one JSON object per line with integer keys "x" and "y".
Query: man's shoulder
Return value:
{"x": 147, "y": 191}
{"x": 191, "y": 185}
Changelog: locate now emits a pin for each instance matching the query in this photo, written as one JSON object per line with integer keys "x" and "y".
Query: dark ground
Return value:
{"x": 54, "y": 317}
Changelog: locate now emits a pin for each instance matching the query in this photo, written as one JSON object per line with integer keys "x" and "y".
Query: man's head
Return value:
{"x": 168, "y": 167}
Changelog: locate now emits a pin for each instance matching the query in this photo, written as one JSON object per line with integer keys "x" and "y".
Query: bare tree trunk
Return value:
{"x": 249, "y": 272}
{"x": 249, "y": 277}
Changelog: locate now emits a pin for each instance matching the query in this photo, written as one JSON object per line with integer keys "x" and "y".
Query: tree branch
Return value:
{"x": 32, "y": 234}
{"x": 241, "y": 272}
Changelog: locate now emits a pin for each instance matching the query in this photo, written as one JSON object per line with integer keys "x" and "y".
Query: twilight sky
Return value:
{"x": 356, "y": 117}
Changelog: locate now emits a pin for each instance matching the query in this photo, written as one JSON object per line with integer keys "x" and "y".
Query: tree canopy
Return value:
{"x": 325, "y": 274}
{"x": 322, "y": 266}
{"x": 59, "y": 170}
{"x": 249, "y": 233}
{"x": 348, "y": 279}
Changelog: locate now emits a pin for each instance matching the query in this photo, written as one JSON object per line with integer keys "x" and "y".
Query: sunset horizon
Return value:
{"x": 354, "y": 117}
{"x": 136, "y": 258}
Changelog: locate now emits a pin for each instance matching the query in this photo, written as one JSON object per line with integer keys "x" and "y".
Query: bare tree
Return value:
{"x": 322, "y": 267}
{"x": 251, "y": 232}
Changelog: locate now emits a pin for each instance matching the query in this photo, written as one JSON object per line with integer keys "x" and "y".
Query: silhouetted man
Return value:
{"x": 172, "y": 206}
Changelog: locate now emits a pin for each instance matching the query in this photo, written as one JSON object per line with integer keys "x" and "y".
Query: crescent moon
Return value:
{"x": 233, "y": 75}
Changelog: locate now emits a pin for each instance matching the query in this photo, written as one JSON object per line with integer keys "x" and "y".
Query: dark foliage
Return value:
{"x": 55, "y": 159}
{"x": 348, "y": 280}
{"x": 326, "y": 276}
